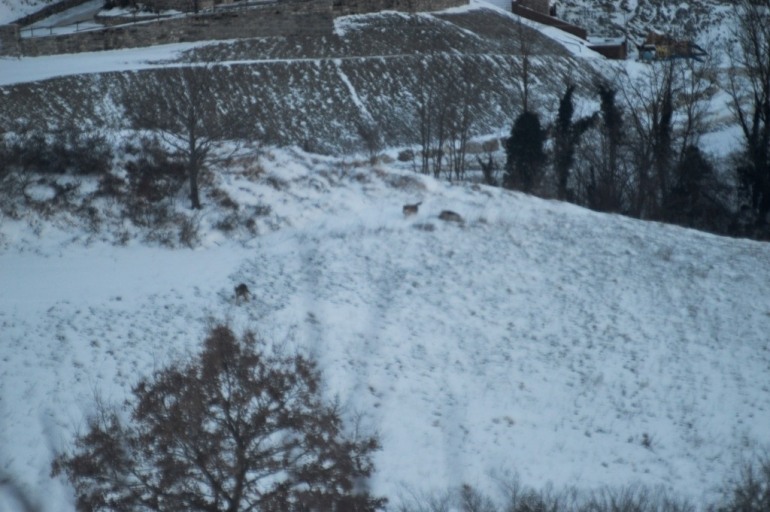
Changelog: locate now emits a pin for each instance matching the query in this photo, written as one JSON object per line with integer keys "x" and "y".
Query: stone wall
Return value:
{"x": 347, "y": 7}
{"x": 341, "y": 7}
{"x": 254, "y": 22}
{"x": 179, "y": 5}
{"x": 9, "y": 40}
{"x": 285, "y": 17}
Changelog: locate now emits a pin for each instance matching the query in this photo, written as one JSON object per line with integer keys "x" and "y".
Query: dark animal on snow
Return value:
{"x": 411, "y": 209}
{"x": 450, "y": 216}
{"x": 242, "y": 293}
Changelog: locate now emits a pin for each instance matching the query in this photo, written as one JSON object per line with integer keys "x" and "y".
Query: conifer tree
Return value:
{"x": 525, "y": 153}
{"x": 567, "y": 135}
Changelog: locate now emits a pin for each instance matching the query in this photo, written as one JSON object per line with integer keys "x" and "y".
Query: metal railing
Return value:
{"x": 44, "y": 31}
{"x": 237, "y": 6}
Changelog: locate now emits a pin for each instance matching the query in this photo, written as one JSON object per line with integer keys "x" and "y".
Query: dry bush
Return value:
{"x": 751, "y": 491}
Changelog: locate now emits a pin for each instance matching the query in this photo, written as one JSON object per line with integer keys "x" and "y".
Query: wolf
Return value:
{"x": 411, "y": 209}
{"x": 242, "y": 293}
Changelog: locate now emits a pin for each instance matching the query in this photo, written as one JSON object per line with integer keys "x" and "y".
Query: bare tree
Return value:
{"x": 370, "y": 134}
{"x": 461, "y": 119}
{"x": 5, "y": 168}
{"x": 602, "y": 178}
{"x": 748, "y": 84}
{"x": 698, "y": 81}
{"x": 425, "y": 113}
{"x": 488, "y": 169}
{"x": 443, "y": 118}
{"x": 181, "y": 105}
{"x": 649, "y": 103}
{"x": 445, "y": 91}
{"x": 666, "y": 105}
{"x": 436, "y": 112}
{"x": 236, "y": 429}
{"x": 524, "y": 40}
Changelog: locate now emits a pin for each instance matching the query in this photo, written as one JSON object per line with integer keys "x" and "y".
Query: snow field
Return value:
{"x": 535, "y": 339}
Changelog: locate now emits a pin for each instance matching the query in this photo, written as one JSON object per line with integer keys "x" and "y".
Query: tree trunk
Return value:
{"x": 194, "y": 166}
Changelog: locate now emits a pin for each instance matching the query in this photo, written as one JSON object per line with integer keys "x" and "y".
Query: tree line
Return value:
{"x": 640, "y": 153}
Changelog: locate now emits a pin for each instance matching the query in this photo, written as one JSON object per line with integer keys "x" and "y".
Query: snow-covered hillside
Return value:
{"x": 11, "y": 10}
{"x": 534, "y": 338}
{"x": 707, "y": 21}
{"x": 315, "y": 92}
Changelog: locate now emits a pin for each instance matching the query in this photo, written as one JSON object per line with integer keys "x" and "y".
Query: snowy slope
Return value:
{"x": 536, "y": 338}
{"x": 11, "y": 10}
{"x": 371, "y": 67}
{"x": 708, "y": 22}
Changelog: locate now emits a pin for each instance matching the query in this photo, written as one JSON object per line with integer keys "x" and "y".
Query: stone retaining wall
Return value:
{"x": 9, "y": 40}
{"x": 186, "y": 5}
{"x": 347, "y": 7}
{"x": 287, "y": 17}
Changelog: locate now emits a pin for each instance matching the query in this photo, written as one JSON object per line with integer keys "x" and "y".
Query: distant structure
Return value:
{"x": 541, "y": 11}
{"x": 539, "y": 6}
{"x": 611, "y": 47}
{"x": 663, "y": 47}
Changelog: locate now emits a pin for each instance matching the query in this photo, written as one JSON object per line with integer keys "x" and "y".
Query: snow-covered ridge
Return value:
{"x": 536, "y": 337}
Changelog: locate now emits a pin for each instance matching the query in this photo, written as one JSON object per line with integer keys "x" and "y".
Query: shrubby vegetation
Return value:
{"x": 57, "y": 161}
{"x": 750, "y": 492}
{"x": 68, "y": 149}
